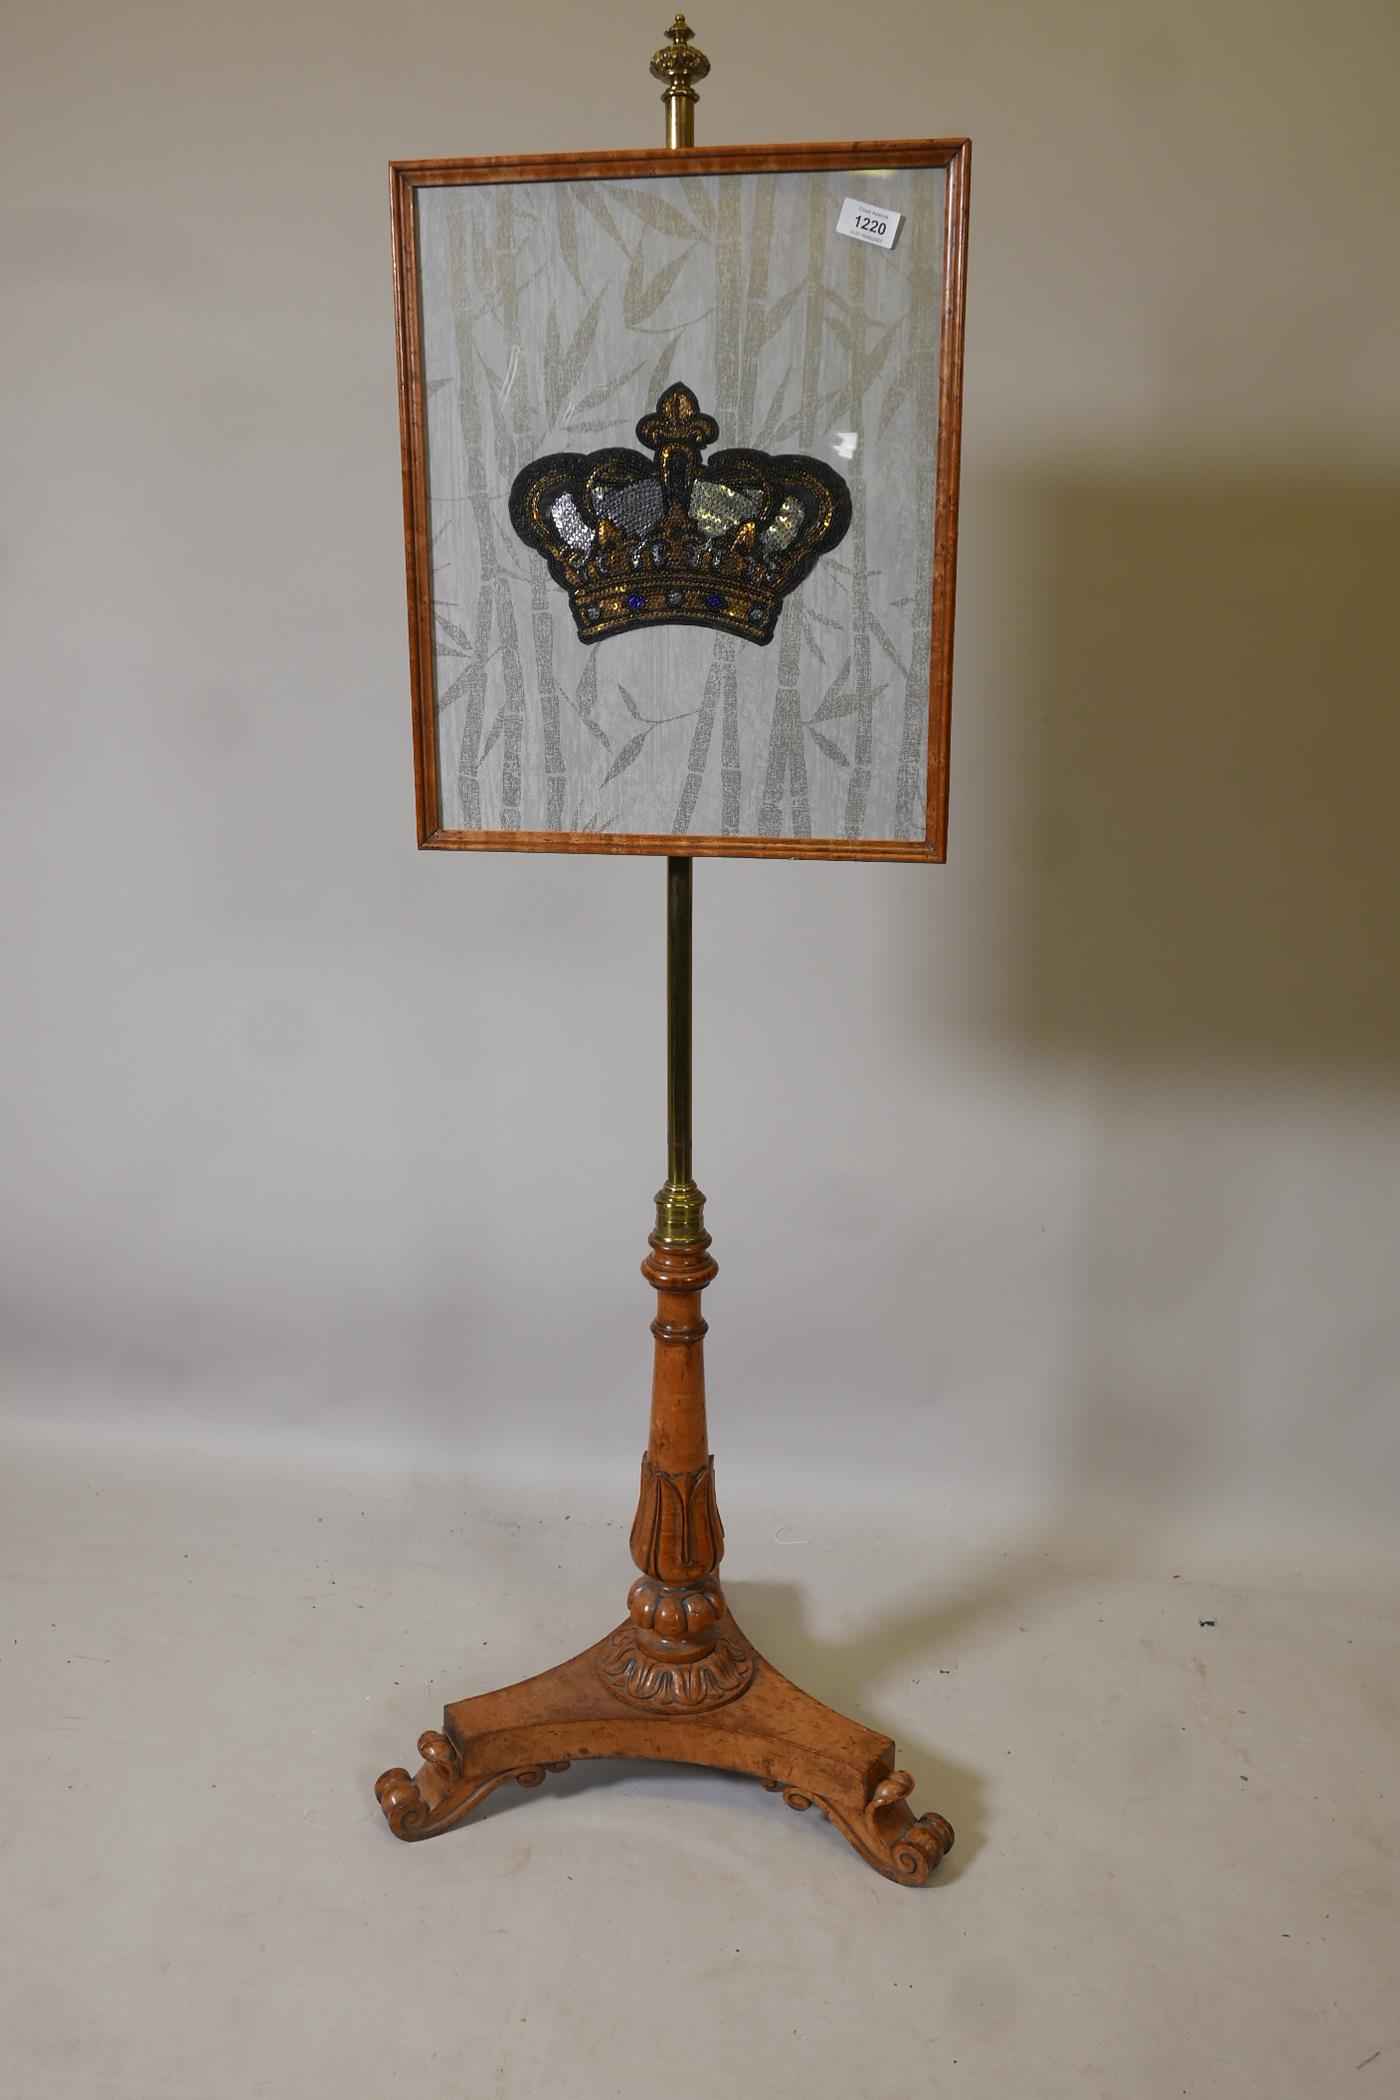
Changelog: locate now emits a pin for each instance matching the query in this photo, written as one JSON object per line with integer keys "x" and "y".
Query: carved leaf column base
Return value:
{"x": 690, "y": 1683}
{"x": 767, "y": 1727}
{"x": 675, "y": 1650}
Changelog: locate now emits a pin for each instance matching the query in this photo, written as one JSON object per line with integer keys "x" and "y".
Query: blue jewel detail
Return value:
{"x": 713, "y": 600}
{"x": 635, "y": 601}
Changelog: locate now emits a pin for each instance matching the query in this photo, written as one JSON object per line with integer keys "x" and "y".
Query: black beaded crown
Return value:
{"x": 646, "y": 542}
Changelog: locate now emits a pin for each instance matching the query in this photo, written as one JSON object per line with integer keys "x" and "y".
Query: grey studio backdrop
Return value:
{"x": 1064, "y": 1175}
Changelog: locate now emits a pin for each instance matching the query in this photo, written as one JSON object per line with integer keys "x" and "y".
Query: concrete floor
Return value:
{"x": 1177, "y": 1842}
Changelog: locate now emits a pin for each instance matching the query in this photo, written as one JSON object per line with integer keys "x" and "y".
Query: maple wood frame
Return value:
{"x": 406, "y": 178}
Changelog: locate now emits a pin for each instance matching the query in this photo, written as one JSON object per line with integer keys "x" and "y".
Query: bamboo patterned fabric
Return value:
{"x": 550, "y": 312}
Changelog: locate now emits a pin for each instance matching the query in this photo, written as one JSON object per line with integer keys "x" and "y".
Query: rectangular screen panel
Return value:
{"x": 680, "y": 470}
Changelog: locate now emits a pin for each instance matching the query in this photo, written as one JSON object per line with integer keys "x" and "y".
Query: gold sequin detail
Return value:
{"x": 717, "y": 508}
{"x": 784, "y": 527}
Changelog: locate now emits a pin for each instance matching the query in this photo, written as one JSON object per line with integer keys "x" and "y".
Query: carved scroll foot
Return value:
{"x": 764, "y": 1726}
{"x": 885, "y": 1830}
{"x": 440, "y": 1797}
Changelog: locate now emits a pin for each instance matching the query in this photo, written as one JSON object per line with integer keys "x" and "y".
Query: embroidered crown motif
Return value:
{"x": 646, "y": 542}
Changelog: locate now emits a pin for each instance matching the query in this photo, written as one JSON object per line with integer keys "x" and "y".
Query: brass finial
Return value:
{"x": 680, "y": 67}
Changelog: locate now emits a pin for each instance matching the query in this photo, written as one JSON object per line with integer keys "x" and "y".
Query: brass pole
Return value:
{"x": 680, "y": 1206}
{"x": 679, "y": 869}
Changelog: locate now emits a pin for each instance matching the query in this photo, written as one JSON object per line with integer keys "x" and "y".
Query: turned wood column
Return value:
{"x": 677, "y": 1538}
{"x": 678, "y": 1650}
